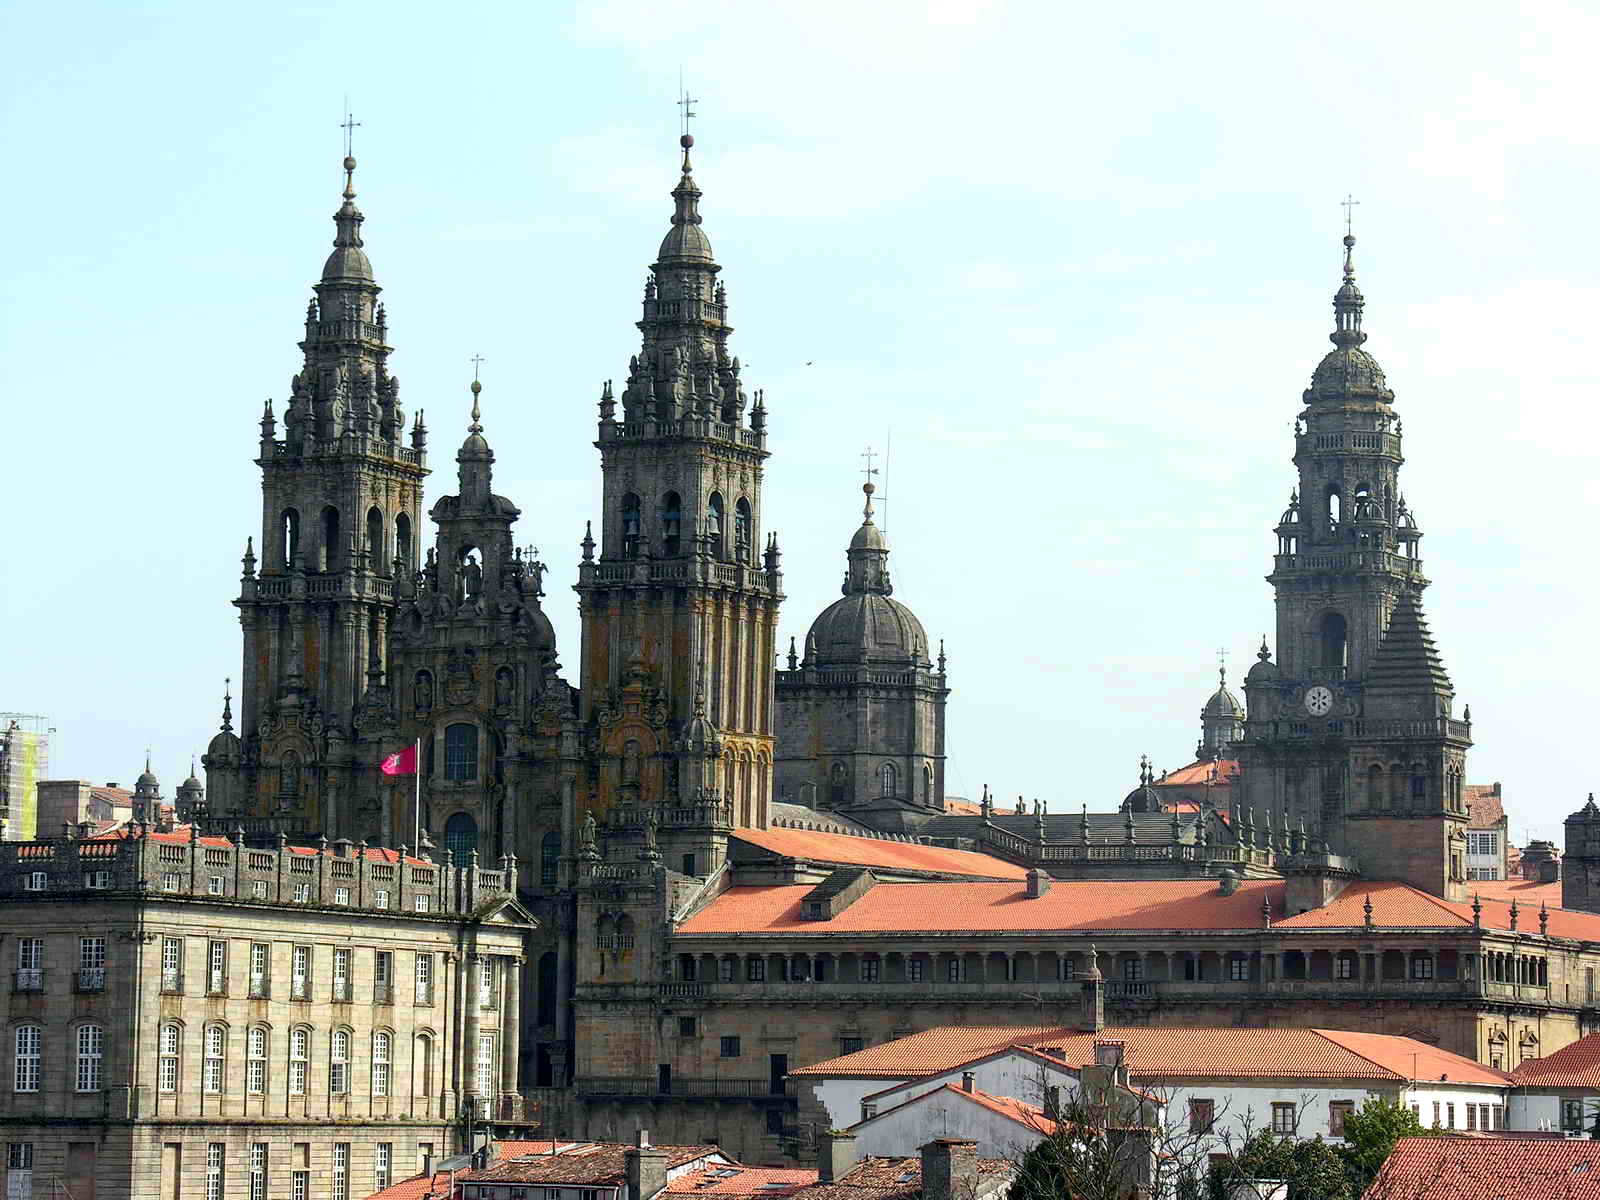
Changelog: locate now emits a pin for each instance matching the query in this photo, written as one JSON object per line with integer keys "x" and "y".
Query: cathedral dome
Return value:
{"x": 1265, "y": 670}
{"x": 686, "y": 239}
{"x": 1223, "y": 703}
{"x": 1348, "y": 371}
{"x": 348, "y": 262}
{"x": 224, "y": 745}
{"x": 866, "y": 627}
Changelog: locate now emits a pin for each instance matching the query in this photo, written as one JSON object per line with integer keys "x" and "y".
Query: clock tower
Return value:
{"x": 1351, "y": 734}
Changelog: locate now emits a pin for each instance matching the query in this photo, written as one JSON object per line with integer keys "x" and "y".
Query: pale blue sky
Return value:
{"x": 1078, "y": 258}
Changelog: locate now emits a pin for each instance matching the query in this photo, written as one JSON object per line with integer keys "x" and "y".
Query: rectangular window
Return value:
{"x": 1344, "y": 967}
{"x": 1202, "y": 1115}
{"x": 1422, "y": 966}
{"x": 461, "y": 752}
{"x": 423, "y": 901}
{"x": 27, "y": 1040}
{"x": 380, "y": 898}
{"x": 956, "y": 970}
{"x": 1133, "y": 969}
{"x": 1450, "y": 1116}
{"x": 339, "y": 1062}
{"x": 1436, "y": 1114}
{"x": 869, "y": 970}
{"x": 216, "y": 968}
{"x": 300, "y": 1168}
{"x": 1572, "y": 1116}
{"x": 1283, "y": 1118}
{"x": 172, "y": 964}
{"x": 486, "y": 1064}
{"x": 216, "y": 1043}
{"x": 300, "y": 1185}
{"x": 725, "y": 970}
{"x": 382, "y": 1164}
{"x": 1472, "y": 1116}
{"x": 687, "y": 1027}
{"x": 380, "y": 1064}
{"x": 300, "y": 973}
{"x": 341, "y": 973}
{"x": 755, "y": 969}
{"x": 914, "y": 970}
{"x": 341, "y": 896}
{"x": 341, "y": 1171}
{"x": 1499, "y": 1116}
{"x": 1238, "y": 968}
{"x": 730, "y": 1047}
{"x": 258, "y": 1171}
{"x": 1338, "y": 1110}
{"x": 171, "y": 1043}
{"x": 214, "y": 1154}
{"x": 30, "y": 964}
{"x": 258, "y": 889}
{"x": 486, "y": 978}
{"x": 383, "y": 977}
{"x": 19, "y": 1156}
{"x": 35, "y": 881}
{"x": 260, "y": 957}
{"x": 299, "y": 1056}
{"x": 850, "y": 1045}
{"x": 91, "y": 1048}
{"x": 214, "y": 885}
{"x": 170, "y": 881}
{"x": 255, "y": 1061}
{"x": 97, "y": 880}
{"x": 302, "y": 893}
{"x": 424, "y": 979}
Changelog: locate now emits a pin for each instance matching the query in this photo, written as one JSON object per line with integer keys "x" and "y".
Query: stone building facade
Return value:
{"x": 861, "y": 713}
{"x": 189, "y": 1013}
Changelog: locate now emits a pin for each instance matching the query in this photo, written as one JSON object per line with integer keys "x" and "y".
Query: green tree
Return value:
{"x": 1369, "y": 1137}
{"x": 1313, "y": 1169}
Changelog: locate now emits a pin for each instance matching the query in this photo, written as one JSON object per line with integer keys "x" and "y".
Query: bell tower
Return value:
{"x": 1351, "y": 734}
{"x": 341, "y": 492}
{"x": 679, "y": 608}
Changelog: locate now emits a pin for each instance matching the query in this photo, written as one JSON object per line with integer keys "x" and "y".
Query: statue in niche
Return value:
{"x": 471, "y": 576}
{"x": 586, "y": 837}
{"x": 502, "y": 687}
{"x": 424, "y": 692}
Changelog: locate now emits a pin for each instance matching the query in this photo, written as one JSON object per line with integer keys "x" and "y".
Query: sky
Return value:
{"x": 1070, "y": 265}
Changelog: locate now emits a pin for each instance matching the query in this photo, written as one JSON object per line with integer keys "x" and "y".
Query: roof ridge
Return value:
{"x": 1327, "y": 1035}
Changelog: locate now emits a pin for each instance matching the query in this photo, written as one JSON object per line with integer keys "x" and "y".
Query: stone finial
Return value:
{"x": 1477, "y": 911}
{"x": 1366, "y": 910}
{"x": 1515, "y": 912}
{"x": 1544, "y": 918}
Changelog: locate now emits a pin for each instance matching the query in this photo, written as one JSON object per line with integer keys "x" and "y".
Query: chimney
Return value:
{"x": 427, "y": 1166}
{"x": 967, "y": 1081}
{"x": 1228, "y": 881}
{"x": 836, "y": 1154}
{"x": 1133, "y": 1155}
{"x": 645, "y": 1167}
{"x": 949, "y": 1169}
{"x": 1038, "y": 883}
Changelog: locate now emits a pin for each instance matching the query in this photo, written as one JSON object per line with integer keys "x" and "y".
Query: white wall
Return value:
{"x": 1013, "y": 1075}
{"x": 943, "y": 1114}
{"x": 1542, "y": 1110}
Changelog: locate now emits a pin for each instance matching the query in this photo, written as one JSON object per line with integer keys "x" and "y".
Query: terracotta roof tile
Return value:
{"x": 418, "y": 1186}
{"x": 964, "y": 807}
{"x": 1576, "y": 1065}
{"x": 734, "y": 1180}
{"x": 1484, "y": 806}
{"x": 1197, "y": 772}
{"x": 1156, "y": 1054}
{"x": 1524, "y": 891}
{"x": 582, "y": 1164}
{"x": 1088, "y": 904}
{"x": 1510, "y": 1168}
{"x": 1398, "y": 905}
{"x": 889, "y": 1179}
{"x": 873, "y": 852}
{"x": 1029, "y": 1116}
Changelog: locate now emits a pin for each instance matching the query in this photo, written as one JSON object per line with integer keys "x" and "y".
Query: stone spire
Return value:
{"x": 868, "y": 555}
{"x": 686, "y": 240}
{"x": 475, "y": 459}
{"x": 1407, "y": 659}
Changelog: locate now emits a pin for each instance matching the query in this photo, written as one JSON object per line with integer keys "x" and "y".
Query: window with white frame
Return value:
{"x": 1422, "y": 966}
{"x": 172, "y": 964}
{"x": 424, "y": 978}
{"x": 214, "y": 1158}
{"x": 302, "y": 893}
{"x": 255, "y": 1061}
{"x": 171, "y": 1052}
{"x": 260, "y": 960}
{"x": 1283, "y": 1118}
{"x": 258, "y": 889}
{"x": 300, "y": 1171}
{"x": 381, "y": 1043}
{"x": 258, "y": 1171}
{"x": 299, "y": 1058}
{"x": 1344, "y": 966}
{"x": 30, "y": 964}
{"x": 27, "y": 1042}
{"x": 382, "y": 1164}
{"x": 341, "y": 896}
{"x": 486, "y": 974}
{"x": 214, "y": 885}
{"x": 341, "y": 1171}
{"x": 383, "y": 976}
{"x": 1238, "y": 968}
{"x": 424, "y": 902}
{"x": 97, "y": 880}
{"x": 339, "y": 1062}
{"x": 170, "y": 881}
{"x": 216, "y": 1058}
{"x": 19, "y": 1156}
{"x": 300, "y": 973}
{"x": 91, "y": 1053}
{"x": 485, "y": 1064}
{"x": 380, "y": 898}
{"x": 216, "y": 967}
{"x": 341, "y": 973}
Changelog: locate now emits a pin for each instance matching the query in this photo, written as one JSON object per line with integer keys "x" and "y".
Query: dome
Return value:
{"x": 1348, "y": 371}
{"x": 1225, "y": 704}
{"x": 146, "y": 780}
{"x": 868, "y": 537}
{"x": 348, "y": 262}
{"x": 866, "y": 627}
{"x": 685, "y": 241}
{"x": 476, "y": 446}
{"x": 1263, "y": 672}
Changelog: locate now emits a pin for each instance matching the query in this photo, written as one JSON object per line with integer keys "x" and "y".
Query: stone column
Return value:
{"x": 471, "y": 975}
{"x": 511, "y": 1026}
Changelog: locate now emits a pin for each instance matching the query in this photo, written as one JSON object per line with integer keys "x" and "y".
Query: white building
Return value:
{"x": 1560, "y": 1091}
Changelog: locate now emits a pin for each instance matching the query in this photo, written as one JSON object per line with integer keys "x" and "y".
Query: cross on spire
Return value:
{"x": 869, "y": 470}
{"x": 685, "y": 104}
{"x": 349, "y": 125}
{"x": 1222, "y": 663}
{"x": 476, "y": 360}
{"x": 1349, "y": 205}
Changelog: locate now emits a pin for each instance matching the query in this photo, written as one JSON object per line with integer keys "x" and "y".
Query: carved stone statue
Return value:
{"x": 472, "y": 577}
{"x": 586, "y": 836}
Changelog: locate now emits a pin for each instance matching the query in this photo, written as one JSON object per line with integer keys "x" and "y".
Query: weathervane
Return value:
{"x": 1348, "y": 204}
{"x": 685, "y": 104}
{"x": 349, "y": 125}
{"x": 869, "y": 470}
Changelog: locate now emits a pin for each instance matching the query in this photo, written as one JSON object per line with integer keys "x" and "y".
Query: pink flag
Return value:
{"x": 404, "y": 763}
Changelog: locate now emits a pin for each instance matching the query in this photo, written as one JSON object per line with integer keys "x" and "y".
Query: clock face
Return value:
{"x": 1319, "y": 701}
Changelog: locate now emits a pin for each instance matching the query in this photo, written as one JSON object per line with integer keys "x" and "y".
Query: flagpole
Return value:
{"x": 416, "y": 798}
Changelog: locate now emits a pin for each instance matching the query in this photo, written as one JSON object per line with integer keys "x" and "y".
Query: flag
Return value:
{"x": 404, "y": 763}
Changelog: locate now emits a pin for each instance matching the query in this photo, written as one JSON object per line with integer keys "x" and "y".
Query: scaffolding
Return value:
{"x": 24, "y": 761}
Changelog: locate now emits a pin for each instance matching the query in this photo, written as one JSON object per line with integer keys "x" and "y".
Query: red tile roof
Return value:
{"x": 734, "y": 1180}
{"x": 1575, "y": 1065}
{"x": 1484, "y": 807}
{"x": 417, "y": 1187}
{"x": 965, "y": 808}
{"x": 1398, "y": 905}
{"x": 1156, "y": 1054}
{"x": 1525, "y": 892}
{"x": 1087, "y": 904}
{"x": 896, "y": 1179}
{"x": 1197, "y": 772}
{"x": 1510, "y": 1168}
{"x": 873, "y": 852}
{"x": 1028, "y": 1116}
{"x": 580, "y": 1164}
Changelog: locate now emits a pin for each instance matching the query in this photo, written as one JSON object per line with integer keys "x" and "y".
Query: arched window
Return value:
{"x": 1335, "y": 505}
{"x": 402, "y": 538}
{"x": 91, "y": 1047}
{"x": 375, "y": 538}
{"x": 714, "y": 526}
{"x": 461, "y": 837}
{"x": 29, "y": 1039}
{"x": 1334, "y": 635}
{"x": 381, "y": 1043}
{"x": 291, "y": 536}
{"x": 330, "y": 538}
{"x": 550, "y": 858}
{"x": 838, "y": 782}
{"x": 630, "y": 526}
{"x": 461, "y": 752}
{"x": 299, "y": 1060}
{"x": 927, "y": 783}
{"x": 255, "y": 1061}
{"x": 422, "y": 1067}
{"x": 671, "y": 523}
{"x": 216, "y": 1059}
{"x": 339, "y": 1062}
{"x": 886, "y": 780}
{"x": 171, "y": 1051}
{"x": 741, "y": 530}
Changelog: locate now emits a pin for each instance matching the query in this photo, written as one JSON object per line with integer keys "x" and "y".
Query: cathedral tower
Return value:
{"x": 1351, "y": 733}
{"x": 341, "y": 491}
{"x": 679, "y": 610}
